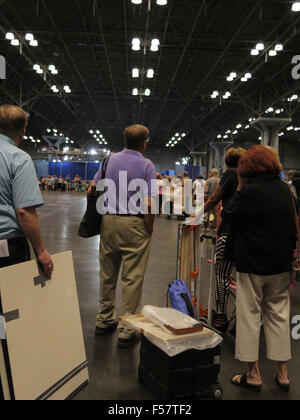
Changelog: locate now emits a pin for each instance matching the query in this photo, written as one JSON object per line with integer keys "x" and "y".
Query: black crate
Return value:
{"x": 193, "y": 373}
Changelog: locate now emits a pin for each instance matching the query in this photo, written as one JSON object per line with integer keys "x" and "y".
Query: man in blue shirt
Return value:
{"x": 19, "y": 195}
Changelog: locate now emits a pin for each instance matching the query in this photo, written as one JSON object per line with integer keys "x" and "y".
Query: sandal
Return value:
{"x": 282, "y": 387}
{"x": 244, "y": 384}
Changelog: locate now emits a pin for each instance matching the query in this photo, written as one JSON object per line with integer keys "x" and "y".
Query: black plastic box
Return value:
{"x": 192, "y": 374}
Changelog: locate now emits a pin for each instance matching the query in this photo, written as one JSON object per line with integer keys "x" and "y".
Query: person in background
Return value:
{"x": 296, "y": 189}
{"x": 49, "y": 183}
{"x": 160, "y": 187}
{"x": 126, "y": 236}
{"x": 60, "y": 183}
{"x": 262, "y": 218}
{"x": 210, "y": 188}
{"x": 55, "y": 183}
{"x": 44, "y": 183}
{"x": 198, "y": 186}
{"x": 20, "y": 195}
{"x": 68, "y": 180}
{"x": 291, "y": 184}
{"x": 224, "y": 261}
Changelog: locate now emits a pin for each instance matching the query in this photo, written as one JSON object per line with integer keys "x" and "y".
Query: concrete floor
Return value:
{"x": 113, "y": 372}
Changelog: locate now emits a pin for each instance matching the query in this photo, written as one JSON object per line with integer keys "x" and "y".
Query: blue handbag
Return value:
{"x": 180, "y": 298}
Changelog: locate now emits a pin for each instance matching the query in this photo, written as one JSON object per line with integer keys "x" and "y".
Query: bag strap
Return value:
{"x": 296, "y": 218}
{"x": 104, "y": 167}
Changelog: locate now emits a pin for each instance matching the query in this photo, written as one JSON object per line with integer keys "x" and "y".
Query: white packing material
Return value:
{"x": 162, "y": 338}
{"x": 170, "y": 317}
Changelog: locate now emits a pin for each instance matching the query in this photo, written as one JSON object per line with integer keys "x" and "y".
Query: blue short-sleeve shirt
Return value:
{"x": 19, "y": 187}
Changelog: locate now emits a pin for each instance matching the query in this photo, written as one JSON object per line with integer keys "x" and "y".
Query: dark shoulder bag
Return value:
{"x": 91, "y": 223}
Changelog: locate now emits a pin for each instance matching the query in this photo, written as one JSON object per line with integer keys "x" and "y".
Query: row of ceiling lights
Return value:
{"x": 10, "y": 36}
{"x": 184, "y": 161}
{"x": 234, "y": 75}
{"x": 260, "y": 47}
{"x": 175, "y": 140}
{"x": 136, "y": 72}
{"x": 136, "y": 45}
{"x": 55, "y": 133}
{"x": 293, "y": 98}
{"x": 246, "y": 126}
{"x": 32, "y": 139}
{"x": 98, "y": 136}
{"x": 158, "y": 2}
{"x": 217, "y": 94}
{"x": 42, "y": 70}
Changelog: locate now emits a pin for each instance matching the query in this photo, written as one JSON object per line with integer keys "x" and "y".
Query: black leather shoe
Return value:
{"x": 108, "y": 330}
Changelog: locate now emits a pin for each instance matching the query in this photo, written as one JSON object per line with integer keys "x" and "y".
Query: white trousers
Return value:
{"x": 263, "y": 299}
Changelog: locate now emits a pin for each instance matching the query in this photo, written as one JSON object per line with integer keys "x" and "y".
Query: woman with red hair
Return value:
{"x": 262, "y": 219}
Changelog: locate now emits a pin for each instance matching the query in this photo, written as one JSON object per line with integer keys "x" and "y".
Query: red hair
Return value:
{"x": 259, "y": 160}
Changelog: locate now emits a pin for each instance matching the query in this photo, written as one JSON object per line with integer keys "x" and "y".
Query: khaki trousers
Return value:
{"x": 267, "y": 299}
{"x": 123, "y": 240}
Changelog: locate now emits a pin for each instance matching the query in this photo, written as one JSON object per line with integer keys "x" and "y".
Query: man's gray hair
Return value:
{"x": 214, "y": 172}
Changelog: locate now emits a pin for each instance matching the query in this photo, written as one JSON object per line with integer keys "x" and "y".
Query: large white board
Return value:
{"x": 44, "y": 344}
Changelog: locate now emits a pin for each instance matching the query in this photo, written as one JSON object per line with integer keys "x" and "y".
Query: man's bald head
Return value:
{"x": 13, "y": 121}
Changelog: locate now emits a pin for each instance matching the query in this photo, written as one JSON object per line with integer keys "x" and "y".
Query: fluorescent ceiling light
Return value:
{"x": 296, "y": 6}
{"x": 150, "y": 73}
{"x": 29, "y": 37}
{"x": 135, "y": 73}
{"x": 36, "y": 67}
{"x": 136, "y": 44}
{"x": 155, "y": 41}
{"x": 260, "y": 46}
{"x": 15, "y": 42}
{"x": 254, "y": 52}
{"x": 272, "y": 53}
{"x": 233, "y": 75}
{"x": 135, "y": 92}
{"x": 147, "y": 92}
{"x": 278, "y": 47}
{"x": 10, "y": 36}
{"x": 136, "y": 1}
{"x": 244, "y": 79}
{"x": 248, "y": 75}
{"x": 161, "y": 2}
{"x": 33, "y": 43}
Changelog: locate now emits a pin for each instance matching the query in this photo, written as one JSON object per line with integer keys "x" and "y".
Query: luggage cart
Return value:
{"x": 213, "y": 240}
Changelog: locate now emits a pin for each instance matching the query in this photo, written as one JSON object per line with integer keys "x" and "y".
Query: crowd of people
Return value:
{"x": 55, "y": 183}
{"x": 257, "y": 235}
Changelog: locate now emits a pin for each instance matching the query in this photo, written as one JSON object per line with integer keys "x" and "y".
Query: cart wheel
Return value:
{"x": 217, "y": 393}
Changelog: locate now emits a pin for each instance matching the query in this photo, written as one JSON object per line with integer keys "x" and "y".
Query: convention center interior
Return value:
{"x": 149, "y": 202}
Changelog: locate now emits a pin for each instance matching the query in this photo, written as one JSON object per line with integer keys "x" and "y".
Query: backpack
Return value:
{"x": 180, "y": 298}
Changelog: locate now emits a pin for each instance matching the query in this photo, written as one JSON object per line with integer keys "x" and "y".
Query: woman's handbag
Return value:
{"x": 91, "y": 223}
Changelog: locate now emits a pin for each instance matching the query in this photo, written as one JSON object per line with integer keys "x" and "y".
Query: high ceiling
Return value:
{"x": 201, "y": 43}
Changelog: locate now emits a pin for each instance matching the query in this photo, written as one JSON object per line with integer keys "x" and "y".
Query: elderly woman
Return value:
{"x": 224, "y": 264}
{"x": 261, "y": 215}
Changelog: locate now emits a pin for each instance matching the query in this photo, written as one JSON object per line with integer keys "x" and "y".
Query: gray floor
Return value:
{"x": 113, "y": 372}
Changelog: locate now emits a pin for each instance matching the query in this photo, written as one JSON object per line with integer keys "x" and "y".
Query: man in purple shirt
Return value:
{"x": 127, "y": 203}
